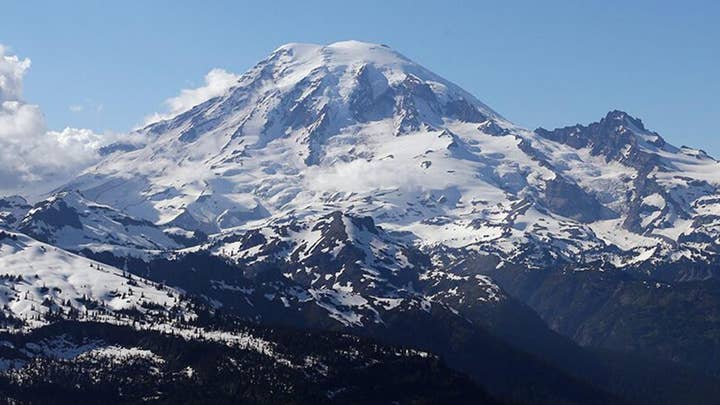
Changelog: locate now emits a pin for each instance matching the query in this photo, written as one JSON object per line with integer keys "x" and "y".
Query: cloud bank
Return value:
{"x": 34, "y": 159}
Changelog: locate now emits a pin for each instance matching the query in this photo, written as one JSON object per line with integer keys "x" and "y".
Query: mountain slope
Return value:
{"x": 361, "y": 129}
{"x": 71, "y": 221}
{"x": 42, "y": 283}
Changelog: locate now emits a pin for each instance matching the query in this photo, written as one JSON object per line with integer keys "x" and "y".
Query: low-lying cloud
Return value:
{"x": 34, "y": 159}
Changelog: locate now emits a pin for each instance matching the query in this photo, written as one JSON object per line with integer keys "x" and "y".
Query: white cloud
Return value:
{"x": 12, "y": 70}
{"x": 217, "y": 81}
{"x": 33, "y": 159}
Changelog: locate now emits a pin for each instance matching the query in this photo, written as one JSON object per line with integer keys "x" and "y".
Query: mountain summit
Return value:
{"x": 302, "y": 110}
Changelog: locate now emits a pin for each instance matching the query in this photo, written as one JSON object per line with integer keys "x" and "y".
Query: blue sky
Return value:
{"x": 539, "y": 63}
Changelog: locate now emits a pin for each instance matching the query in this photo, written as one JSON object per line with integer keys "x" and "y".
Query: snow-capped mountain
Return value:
{"x": 361, "y": 129}
{"x": 665, "y": 197}
{"x": 267, "y": 139}
{"x": 345, "y": 187}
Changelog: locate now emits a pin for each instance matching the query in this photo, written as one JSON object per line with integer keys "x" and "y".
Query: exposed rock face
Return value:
{"x": 569, "y": 200}
{"x": 12, "y": 210}
{"x": 614, "y": 137}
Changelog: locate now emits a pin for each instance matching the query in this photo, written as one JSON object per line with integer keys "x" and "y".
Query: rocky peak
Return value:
{"x": 617, "y": 136}
{"x": 622, "y": 118}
